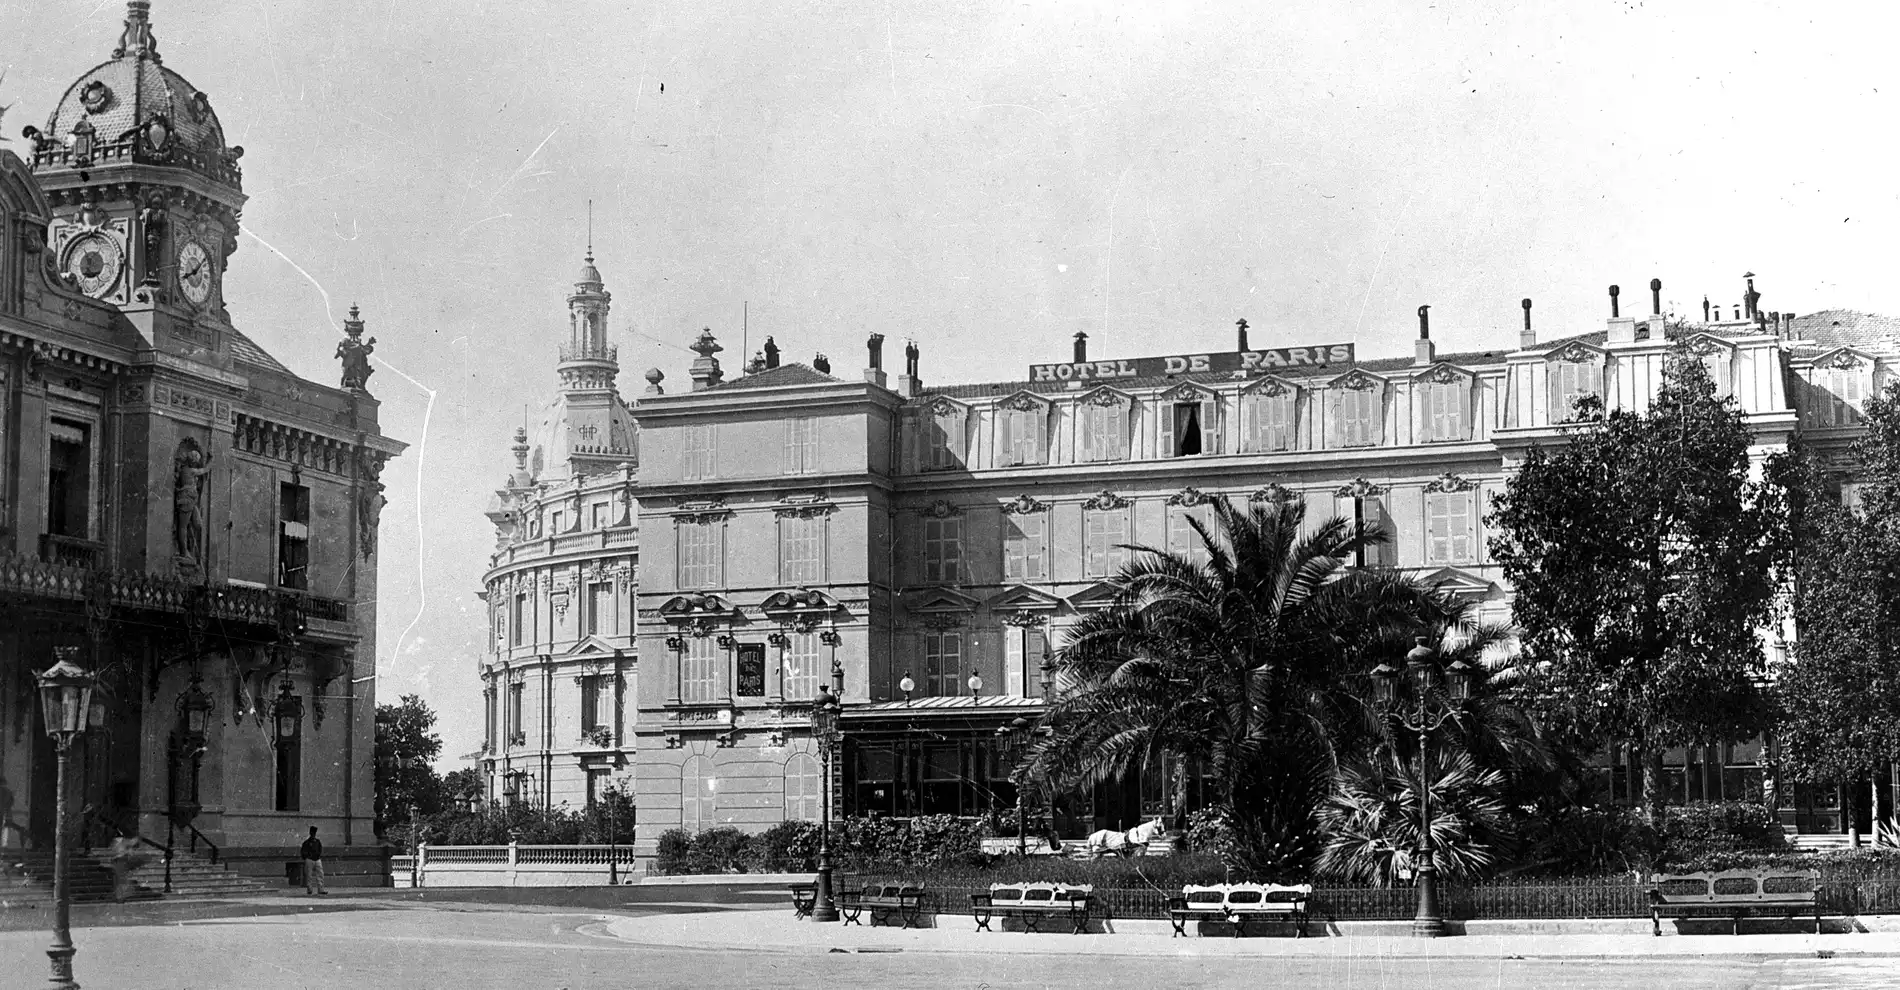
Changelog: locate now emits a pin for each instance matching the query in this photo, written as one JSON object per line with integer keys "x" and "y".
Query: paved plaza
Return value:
{"x": 690, "y": 939}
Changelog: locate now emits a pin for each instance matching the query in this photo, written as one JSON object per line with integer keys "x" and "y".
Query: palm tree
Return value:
{"x": 1244, "y": 666}
{"x": 1372, "y": 825}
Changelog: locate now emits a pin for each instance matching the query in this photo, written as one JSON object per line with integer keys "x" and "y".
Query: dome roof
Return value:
{"x": 571, "y": 433}
{"x": 590, "y": 276}
{"x": 138, "y": 111}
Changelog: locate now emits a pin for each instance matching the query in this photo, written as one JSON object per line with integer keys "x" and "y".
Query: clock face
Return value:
{"x": 94, "y": 261}
{"x": 194, "y": 272}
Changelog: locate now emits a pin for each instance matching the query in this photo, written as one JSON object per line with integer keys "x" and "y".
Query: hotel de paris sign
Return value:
{"x": 1323, "y": 356}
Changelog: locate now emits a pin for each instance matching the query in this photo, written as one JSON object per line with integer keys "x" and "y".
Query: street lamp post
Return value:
{"x": 1423, "y": 669}
{"x": 824, "y": 731}
{"x": 66, "y": 701}
{"x": 1012, "y": 736}
{"x": 613, "y": 837}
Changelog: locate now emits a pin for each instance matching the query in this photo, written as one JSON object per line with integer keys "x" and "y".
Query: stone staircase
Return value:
{"x": 28, "y": 876}
{"x": 1818, "y": 843}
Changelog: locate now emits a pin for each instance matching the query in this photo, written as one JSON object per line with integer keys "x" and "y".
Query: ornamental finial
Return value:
{"x": 137, "y": 40}
{"x": 354, "y": 352}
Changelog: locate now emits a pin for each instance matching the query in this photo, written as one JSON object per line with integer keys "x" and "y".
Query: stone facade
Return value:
{"x": 181, "y": 510}
{"x": 929, "y": 545}
{"x": 558, "y": 678}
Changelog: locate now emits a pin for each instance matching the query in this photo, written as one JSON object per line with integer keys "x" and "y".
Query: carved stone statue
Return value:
{"x": 188, "y": 502}
{"x": 354, "y": 352}
{"x": 369, "y": 512}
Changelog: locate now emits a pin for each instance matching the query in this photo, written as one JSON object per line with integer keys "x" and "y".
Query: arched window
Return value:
{"x": 802, "y": 788}
{"x": 699, "y": 795}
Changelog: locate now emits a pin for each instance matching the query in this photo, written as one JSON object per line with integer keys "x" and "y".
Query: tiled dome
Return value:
{"x": 138, "y": 111}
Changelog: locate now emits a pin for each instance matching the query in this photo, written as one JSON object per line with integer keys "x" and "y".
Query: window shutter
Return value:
{"x": 1461, "y": 410}
{"x": 1041, "y": 419}
{"x": 1383, "y": 554}
{"x": 1085, "y": 427}
{"x": 1005, "y": 438}
{"x": 1166, "y": 429}
{"x": 1210, "y": 426}
{"x": 1252, "y": 439}
{"x": 1335, "y": 417}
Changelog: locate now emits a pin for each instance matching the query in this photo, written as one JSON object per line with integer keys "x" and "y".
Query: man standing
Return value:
{"x": 313, "y": 864}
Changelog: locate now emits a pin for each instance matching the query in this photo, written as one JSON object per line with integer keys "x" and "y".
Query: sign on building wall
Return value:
{"x": 751, "y": 670}
{"x": 1323, "y": 356}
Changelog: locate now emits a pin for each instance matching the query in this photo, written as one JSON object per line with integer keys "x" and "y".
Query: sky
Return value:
{"x": 985, "y": 178}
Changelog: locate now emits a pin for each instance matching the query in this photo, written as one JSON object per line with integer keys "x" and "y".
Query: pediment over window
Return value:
{"x": 1844, "y": 358}
{"x": 1271, "y": 386}
{"x": 689, "y": 608}
{"x": 1576, "y": 352}
{"x": 1024, "y": 503}
{"x": 1459, "y": 583}
{"x": 1444, "y": 374}
{"x": 590, "y": 647}
{"x": 1025, "y": 401}
{"x": 1023, "y": 598}
{"x": 1102, "y": 395}
{"x": 1187, "y": 392}
{"x": 798, "y": 601}
{"x": 1099, "y": 595}
{"x": 1704, "y": 344}
{"x": 1357, "y": 380}
{"x": 944, "y": 405}
{"x": 941, "y": 601}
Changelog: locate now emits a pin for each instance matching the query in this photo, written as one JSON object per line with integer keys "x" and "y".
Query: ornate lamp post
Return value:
{"x": 613, "y": 838}
{"x": 907, "y": 686}
{"x": 1424, "y": 670}
{"x": 1013, "y": 736}
{"x": 66, "y": 702}
{"x": 976, "y": 684}
{"x": 824, "y": 731}
{"x": 194, "y": 719}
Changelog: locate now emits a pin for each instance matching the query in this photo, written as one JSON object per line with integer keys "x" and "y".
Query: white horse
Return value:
{"x": 1133, "y": 842}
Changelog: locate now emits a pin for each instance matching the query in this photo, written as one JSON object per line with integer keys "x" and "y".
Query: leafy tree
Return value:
{"x": 466, "y": 784}
{"x": 1839, "y": 698}
{"x": 406, "y": 748}
{"x": 1641, "y": 554}
{"x": 1242, "y": 666}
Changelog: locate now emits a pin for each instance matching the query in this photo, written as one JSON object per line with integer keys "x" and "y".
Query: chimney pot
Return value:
{"x": 821, "y": 364}
{"x": 1241, "y": 327}
{"x": 1705, "y": 309}
{"x": 1081, "y": 347}
{"x": 1655, "y": 297}
{"x": 1615, "y": 290}
{"x": 1422, "y": 351}
{"x": 1424, "y": 322}
{"x": 875, "y": 343}
{"x": 1526, "y": 338}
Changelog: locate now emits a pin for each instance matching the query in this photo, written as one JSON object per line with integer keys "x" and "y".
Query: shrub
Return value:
{"x": 674, "y": 852}
{"x": 1584, "y": 840}
{"x": 718, "y": 850}
{"x": 1700, "y": 832}
{"x": 788, "y": 847}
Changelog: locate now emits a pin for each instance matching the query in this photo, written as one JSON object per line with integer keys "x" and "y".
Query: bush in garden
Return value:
{"x": 1701, "y": 831}
{"x": 788, "y": 847}
{"x": 718, "y": 850}
{"x": 674, "y": 852}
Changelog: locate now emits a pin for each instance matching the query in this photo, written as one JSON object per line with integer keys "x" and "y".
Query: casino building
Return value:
{"x": 929, "y": 544}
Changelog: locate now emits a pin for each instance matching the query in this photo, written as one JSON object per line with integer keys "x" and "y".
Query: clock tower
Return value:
{"x": 146, "y": 196}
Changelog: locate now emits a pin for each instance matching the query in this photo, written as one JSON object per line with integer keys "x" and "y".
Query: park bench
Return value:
{"x": 1032, "y": 902}
{"x": 1733, "y": 893}
{"x": 1238, "y": 903}
{"x": 883, "y": 901}
{"x": 804, "y": 896}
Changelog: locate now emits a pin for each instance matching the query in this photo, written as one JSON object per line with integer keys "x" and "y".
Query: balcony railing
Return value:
{"x": 64, "y": 578}
{"x": 71, "y": 551}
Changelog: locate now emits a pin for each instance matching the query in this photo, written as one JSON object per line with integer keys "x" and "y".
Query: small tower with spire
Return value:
{"x": 588, "y": 362}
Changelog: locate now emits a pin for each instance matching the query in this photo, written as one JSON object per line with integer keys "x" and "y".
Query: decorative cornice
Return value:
{"x": 1025, "y": 402}
{"x": 803, "y": 505}
{"x": 701, "y": 511}
{"x": 1273, "y": 492}
{"x": 1189, "y": 496}
{"x": 1188, "y": 388}
{"x": 943, "y": 405}
{"x": 1444, "y": 374}
{"x": 1105, "y": 396}
{"x": 1842, "y": 359}
{"x": 1270, "y": 387}
{"x": 942, "y": 509}
{"x": 1449, "y": 482}
{"x": 1024, "y": 503}
{"x": 1105, "y": 499}
{"x": 1575, "y": 352}
{"x": 1357, "y": 380}
{"x": 1703, "y": 345}
{"x": 942, "y": 620}
{"x": 1026, "y": 618}
{"x": 1358, "y": 488}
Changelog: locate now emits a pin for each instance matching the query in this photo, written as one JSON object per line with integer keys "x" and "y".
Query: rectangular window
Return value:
{"x": 1570, "y": 381}
{"x": 801, "y": 548}
{"x": 515, "y": 621}
{"x": 1445, "y": 403}
{"x": 1448, "y": 518}
{"x": 597, "y": 702}
{"x": 943, "y": 549}
{"x": 1104, "y": 532}
{"x": 945, "y": 429}
{"x": 943, "y": 664}
{"x": 1360, "y": 419}
{"x": 701, "y": 457}
{"x": 1025, "y": 546}
{"x": 69, "y": 480}
{"x": 601, "y": 519}
{"x": 1024, "y": 648}
{"x": 557, "y": 523}
{"x": 701, "y": 553}
{"x": 517, "y": 730}
{"x": 600, "y": 606}
{"x": 1369, "y": 513}
{"x": 801, "y": 445}
{"x": 1190, "y": 428}
{"x": 488, "y": 720}
{"x": 1102, "y": 432}
{"x": 1845, "y": 395}
{"x": 801, "y": 667}
{"x": 1182, "y": 539}
{"x": 700, "y": 670}
{"x": 1020, "y": 435}
{"x": 293, "y": 536}
{"x": 1269, "y": 420}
